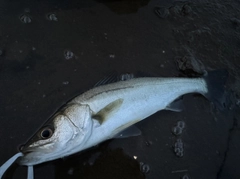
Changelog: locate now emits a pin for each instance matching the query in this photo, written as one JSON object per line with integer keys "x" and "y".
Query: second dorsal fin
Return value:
{"x": 114, "y": 78}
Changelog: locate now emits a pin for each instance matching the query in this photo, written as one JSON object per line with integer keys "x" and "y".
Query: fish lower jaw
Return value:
{"x": 26, "y": 162}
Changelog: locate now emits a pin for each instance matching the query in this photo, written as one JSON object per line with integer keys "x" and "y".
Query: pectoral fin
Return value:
{"x": 108, "y": 110}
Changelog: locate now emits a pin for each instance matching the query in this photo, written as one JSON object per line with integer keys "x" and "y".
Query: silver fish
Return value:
{"x": 107, "y": 111}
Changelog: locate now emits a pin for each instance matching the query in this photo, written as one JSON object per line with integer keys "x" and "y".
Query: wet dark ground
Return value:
{"x": 50, "y": 51}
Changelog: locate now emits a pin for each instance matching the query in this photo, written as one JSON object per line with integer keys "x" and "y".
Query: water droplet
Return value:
{"x": 148, "y": 143}
{"x": 65, "y": 82}
{"x": 52, "y": 17}
{"x": 177, "y": 130}
{"x": 186, "y": 10}
{"x": 162, "y": 12}
{"x": 185, "y": 177}
{"x": 181, "y": 124}
{"x": 112, "y": 56}
{"x": 93, "y": 158}
{"x": 178, "y": 152}
{"x": 25, "y": 18}
{"x": 144, "y": 168}
{"x": 179, "y": 144}
{"x": 27, "y": 10}
{"x": 70, "y": 171}
{"x": 1, "y": 52}
{"x": 178, "y": 148}
{"x": 68, "y": 54}
{"x": 238, "y": 102}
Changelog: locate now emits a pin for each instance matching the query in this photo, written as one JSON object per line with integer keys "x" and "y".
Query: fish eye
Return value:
{"x": 46, "y": 133}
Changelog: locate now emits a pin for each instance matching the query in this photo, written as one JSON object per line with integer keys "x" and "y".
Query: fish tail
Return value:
{"x": 215, "y": 81}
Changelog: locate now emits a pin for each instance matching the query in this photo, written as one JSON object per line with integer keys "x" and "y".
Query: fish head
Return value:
{"x": 68, "y": 129}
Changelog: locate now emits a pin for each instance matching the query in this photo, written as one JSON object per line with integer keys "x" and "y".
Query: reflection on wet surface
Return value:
{"x": 51, "y": 51}
{"x": 105, "y": 164}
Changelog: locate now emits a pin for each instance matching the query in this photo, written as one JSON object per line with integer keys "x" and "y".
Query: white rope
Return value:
{"x": 8, "y": 163}
{"x": 30, "y": 172}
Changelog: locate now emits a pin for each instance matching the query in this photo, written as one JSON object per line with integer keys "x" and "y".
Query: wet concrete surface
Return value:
{"x": 52, "y": 51}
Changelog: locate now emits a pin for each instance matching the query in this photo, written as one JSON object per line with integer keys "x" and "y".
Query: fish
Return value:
{"x": 109, "y": 110}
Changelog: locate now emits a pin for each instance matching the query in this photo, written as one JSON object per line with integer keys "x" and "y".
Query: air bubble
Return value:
{"x": 52, "y": 17}
{"x": 68, "y": 54}
{"x": 25, "y": 18}
{"x": 144, "y": 168}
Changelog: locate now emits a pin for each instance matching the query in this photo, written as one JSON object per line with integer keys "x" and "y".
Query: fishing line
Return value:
{"x": 8, "y": 163}
{"x": 30, "y": 172}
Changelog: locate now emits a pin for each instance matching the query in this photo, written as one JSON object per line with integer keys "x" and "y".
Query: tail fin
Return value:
{"x": 215, "y": 83}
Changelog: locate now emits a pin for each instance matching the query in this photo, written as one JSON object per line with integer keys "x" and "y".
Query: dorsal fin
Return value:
{"x": 114, "y": 78}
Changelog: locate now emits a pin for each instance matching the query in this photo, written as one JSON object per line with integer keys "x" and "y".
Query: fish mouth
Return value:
{"x": 27, "y": 150}
{"x": 29, "y": 157}
{"x": 24, "y": 149}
